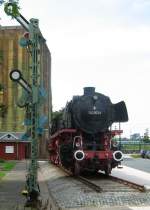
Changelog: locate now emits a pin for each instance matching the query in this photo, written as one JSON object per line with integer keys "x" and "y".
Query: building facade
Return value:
{"x": 13, "y": 56}
{"x": 12, "y": 147}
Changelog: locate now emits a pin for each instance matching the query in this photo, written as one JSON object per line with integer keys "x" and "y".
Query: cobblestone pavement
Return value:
{"x": 65, "y": 192}
{"x": 70, "y": 193}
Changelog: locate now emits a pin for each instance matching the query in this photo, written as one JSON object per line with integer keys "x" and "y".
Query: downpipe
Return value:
{"x": 118, "y": 155}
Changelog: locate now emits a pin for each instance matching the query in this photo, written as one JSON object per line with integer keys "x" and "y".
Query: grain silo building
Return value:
{"x": 13, "y": 56}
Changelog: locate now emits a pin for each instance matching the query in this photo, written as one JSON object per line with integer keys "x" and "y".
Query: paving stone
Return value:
{"x": 73, "y": 194}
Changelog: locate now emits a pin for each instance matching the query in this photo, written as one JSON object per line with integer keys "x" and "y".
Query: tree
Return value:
{"x": 146, "y": 137}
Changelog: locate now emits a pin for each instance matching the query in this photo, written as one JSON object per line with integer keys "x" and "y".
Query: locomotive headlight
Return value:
{"x": 118, "y": 155}
{"x": 79, "y": 155}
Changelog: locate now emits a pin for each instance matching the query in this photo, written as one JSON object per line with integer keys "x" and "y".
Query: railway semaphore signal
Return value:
{"x": 16, "y": 76}
{"x": 11, "y": 8}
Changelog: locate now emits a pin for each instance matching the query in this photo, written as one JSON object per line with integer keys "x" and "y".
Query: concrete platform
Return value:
{"x": 114, "y": 208}
{"x": 133, "y": 175}
{"x": 99, "y": 208}
{"x": 140, "y": 208}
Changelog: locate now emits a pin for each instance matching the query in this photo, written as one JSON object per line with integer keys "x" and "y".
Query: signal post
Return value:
{"x": 32, "y": 41}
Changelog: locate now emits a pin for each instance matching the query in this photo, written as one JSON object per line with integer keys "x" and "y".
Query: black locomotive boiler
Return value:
{"x": 81, "y": 133}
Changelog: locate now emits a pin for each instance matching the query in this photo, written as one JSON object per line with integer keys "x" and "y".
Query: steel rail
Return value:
{"x": 128, "y": 183}
{"x": 100, "y": 189}
{"x": 89, "y": 183}
{"x": 83, "y": 180}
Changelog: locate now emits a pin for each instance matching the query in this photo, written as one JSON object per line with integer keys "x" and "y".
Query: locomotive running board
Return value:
{"x": 63, "y": 131}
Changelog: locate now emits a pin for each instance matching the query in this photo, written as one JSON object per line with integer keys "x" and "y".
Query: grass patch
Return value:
{"x": 136, "y": 155}
{"x": 2, "y": 174}
{"x": 6, "y": 166}
{"x": 2, "y": 161}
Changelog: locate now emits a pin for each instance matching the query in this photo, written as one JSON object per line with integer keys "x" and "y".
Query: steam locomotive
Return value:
{"x": 81, "y": 133}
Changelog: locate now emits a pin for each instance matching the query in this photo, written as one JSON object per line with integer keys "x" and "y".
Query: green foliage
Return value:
{"x": 3, "y": 110}
{"x": 146, "y": 137}
{"x": 57, "y": 114}
{"x": 6, "y": 166}
{"x": 135, "y": 147}
{"x": 1, "y": 87}
{"x": 2, "y": 161}
{"x": 136, "y": 155}
{"x": 12, "y": 9}
{"x": 1, "y": 56}
{"x": 2, "y": 174}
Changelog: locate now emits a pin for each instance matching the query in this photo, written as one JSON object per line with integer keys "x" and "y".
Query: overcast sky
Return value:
{"x": 100, "y": 43}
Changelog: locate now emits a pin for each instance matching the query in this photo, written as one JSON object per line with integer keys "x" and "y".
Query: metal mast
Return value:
{"x": 32, "y": 186}
{"x": 33, "y": 106}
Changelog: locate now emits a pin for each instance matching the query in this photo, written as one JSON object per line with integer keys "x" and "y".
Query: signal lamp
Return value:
{"x": 26, "y": 35}
{"x": 15, "y": 75}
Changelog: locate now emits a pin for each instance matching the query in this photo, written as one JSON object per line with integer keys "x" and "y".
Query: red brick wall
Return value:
{"x": 19, "y": 151}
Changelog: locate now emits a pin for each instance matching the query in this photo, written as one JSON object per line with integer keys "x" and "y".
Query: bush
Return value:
{"x": 2, "y": 161}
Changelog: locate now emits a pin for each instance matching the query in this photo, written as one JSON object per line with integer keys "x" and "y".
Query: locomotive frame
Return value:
{"x": 77, "y": 158}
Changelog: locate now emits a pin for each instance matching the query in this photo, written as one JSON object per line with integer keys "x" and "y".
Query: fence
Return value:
{"x": 134, "y": 147}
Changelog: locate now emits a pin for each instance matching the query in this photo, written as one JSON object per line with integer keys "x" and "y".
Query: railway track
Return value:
{"x": 129, "y": 184}
{"x": 68, "y": 191}
{"x": 109, "y": 184}
{"x": 89, "y": 184}
{"x": 102, "y": 183}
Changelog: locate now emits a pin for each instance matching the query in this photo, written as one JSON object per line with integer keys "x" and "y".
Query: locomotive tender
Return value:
{"x": 81, "y": 133}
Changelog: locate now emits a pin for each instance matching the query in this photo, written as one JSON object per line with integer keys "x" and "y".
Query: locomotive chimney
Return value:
{"x": 88, "y": 91}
